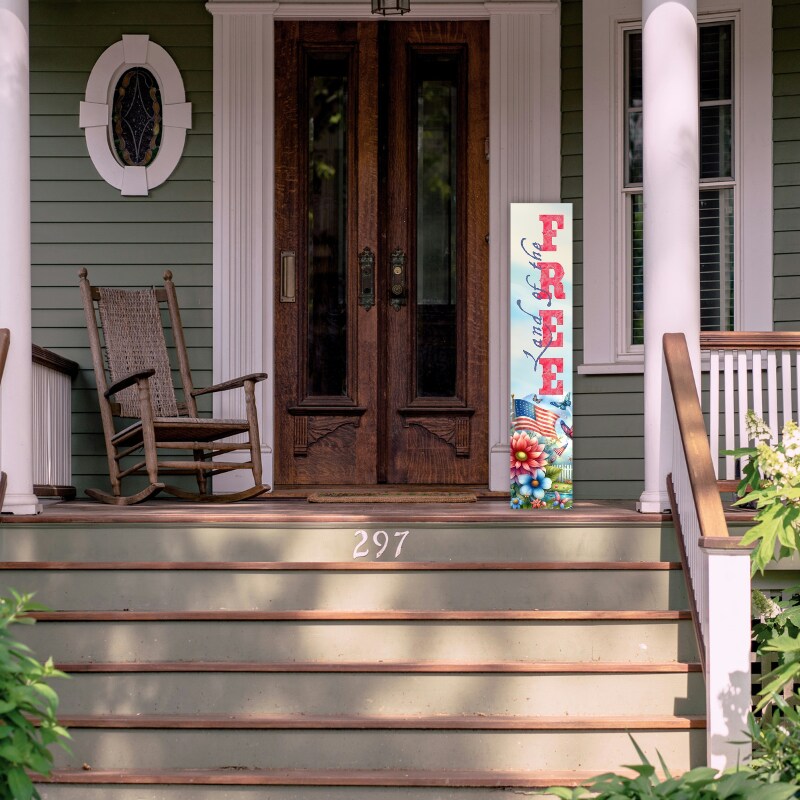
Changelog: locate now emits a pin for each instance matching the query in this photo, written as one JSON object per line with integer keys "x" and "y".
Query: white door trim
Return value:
{"x": 525, "y": 165}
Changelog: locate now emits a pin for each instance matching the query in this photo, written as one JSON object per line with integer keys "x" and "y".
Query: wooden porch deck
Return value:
{"x": 275, "y": 510}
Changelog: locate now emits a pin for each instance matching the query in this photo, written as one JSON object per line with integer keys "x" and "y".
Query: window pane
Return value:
{"x": 715, "y": 142}
{"x": 716, "y": 260}
{"x": 633, "y": 89}
{"x": 716, "y": 162}
{"x": 437, "y": 229}
{"x": 327, "y": 231}
{"x": 633, "y": 105}
{"x": 716, "y": 62}
{"x": 637, "y": 268}
{"x": 634, "y": 148}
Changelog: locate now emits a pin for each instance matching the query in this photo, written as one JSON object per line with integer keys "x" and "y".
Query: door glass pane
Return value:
{"x": 327, "y": 227}
{"x": 437, "y": 227}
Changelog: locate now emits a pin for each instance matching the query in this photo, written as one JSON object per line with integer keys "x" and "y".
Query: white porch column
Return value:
{"x": 727, "y": 634}
{"x": 524, "y": 166}
{"x": 244, "y": 90}
{"x": 16, "y": 415}
{"x": 671, "y": 218}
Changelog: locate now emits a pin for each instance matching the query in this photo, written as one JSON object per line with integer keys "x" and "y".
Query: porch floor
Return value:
{"x": 271, "y": 510}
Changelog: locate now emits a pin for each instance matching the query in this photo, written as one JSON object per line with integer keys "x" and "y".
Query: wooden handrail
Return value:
{"x": 694, "y": 438}
{"x": 47, "y": 358}
{"x": 5, "y": 341}
{"x": 750, "y": 340}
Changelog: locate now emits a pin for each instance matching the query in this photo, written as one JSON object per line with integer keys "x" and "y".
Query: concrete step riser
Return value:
{"x": 466, "y": 542}
{"x": 203, "y": 591}
{"x": 332, "y": 694}
{"x": 374, "y": 749}
{"x": 639, "y": 642}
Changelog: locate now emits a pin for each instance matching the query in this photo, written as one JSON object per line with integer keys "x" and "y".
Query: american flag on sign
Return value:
{"x": 528, "y": 417}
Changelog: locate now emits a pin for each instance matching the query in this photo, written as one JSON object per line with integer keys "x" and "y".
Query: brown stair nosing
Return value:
{"x": 460, "y": 722}
{"x": 240, "y": 776}
{"x": 434, "y": 667}
{"x": 387, "y": 615}
{"x": 345, "y": 566}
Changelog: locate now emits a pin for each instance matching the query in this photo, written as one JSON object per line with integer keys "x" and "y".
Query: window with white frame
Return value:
{"x": 735, "y": 197}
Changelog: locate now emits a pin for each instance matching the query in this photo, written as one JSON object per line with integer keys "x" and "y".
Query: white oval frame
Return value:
{"x": 95, "y": 114}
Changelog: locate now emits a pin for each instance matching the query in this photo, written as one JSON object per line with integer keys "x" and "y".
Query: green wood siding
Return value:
{"x": 79, "y": 220}
{"x": 786, "y": 162}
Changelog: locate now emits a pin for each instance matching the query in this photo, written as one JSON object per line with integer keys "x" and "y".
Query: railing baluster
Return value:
{"x": 772, "y": 393}
{"x": 758, "y": 397}
{"x": 713, "y": 400}
{"x": 741, "y": 380}
{"x": 786, "y": 386}
{"x": 730, "y": 465}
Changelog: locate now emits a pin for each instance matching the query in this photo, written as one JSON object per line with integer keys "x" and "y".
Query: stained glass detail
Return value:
{"x": 136, "y": 118}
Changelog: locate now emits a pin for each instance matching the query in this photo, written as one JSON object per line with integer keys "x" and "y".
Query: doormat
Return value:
{"x": 392, "y": 497}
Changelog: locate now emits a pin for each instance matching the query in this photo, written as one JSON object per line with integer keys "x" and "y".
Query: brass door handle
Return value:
{"x": 397, "y": 279}
{"x": 366, "y": 273}
{"x": 288, "y": 277}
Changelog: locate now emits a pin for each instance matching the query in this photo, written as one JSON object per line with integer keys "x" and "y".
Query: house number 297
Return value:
{"x": 381, "y": 540}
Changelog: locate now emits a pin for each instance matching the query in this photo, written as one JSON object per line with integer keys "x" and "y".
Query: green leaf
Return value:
{"x": 20, "y": 784}
{"x": 740, "y": 452}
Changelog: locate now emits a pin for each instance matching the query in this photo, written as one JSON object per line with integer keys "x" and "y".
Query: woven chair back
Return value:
{"x": 134, "y": 340}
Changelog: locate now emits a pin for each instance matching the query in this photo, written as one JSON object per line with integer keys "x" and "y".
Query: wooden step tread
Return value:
{"x": 532, "y": 667}
{"x": 345, "y": 566}
{"x": 237, "y": 776}
{"x": 461, "y": 722}
{"x": 389, "y": 615}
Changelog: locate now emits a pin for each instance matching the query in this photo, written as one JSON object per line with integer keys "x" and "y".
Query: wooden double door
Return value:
{"x": 381, "y": 253}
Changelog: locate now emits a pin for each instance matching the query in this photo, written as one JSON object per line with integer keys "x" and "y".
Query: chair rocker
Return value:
{"x": 5, "y": 341}
{"x": 140, "y": 380}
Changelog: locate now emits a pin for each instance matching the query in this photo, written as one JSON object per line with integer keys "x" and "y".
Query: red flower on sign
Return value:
{"x": 527, "y": 455}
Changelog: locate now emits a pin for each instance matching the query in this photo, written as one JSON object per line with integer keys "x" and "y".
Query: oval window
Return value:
{"x": 136, "y": 118}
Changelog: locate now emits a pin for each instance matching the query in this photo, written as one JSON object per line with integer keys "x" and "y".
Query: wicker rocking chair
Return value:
{"x": 5, "y": 341}
{"x": 141, "y": 381}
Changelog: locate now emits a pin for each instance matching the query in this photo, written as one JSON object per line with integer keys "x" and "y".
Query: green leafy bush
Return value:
{"x": 703, "y": 783}
{"x": 778, "y": 631}
{"x": 776, "y": 744}
{"x": 28, "y": 724}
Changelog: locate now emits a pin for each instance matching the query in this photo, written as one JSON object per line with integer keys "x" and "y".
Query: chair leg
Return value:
{"x": 148, "y": 431}
{"x": 255, "y": 437}
{"x": 202, "y": 481}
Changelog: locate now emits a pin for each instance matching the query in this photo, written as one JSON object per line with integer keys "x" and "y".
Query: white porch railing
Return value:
{"x": 717, "y": 569}
{"x": 760, "y": 371}
{"x": 52, "y": 424}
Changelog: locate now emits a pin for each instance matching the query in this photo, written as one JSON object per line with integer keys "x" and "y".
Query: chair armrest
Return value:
{"x": 129, "y": 380}
{"x": 234, "y": 383}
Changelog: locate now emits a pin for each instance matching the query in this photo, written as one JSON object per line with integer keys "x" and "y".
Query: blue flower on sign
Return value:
{"x": 540, "y": 483}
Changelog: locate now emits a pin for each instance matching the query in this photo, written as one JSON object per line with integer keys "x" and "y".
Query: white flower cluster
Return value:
{"x": 764, "y": 607}
{"x": 757, "y": 429}
{"x": 779, "y": 464}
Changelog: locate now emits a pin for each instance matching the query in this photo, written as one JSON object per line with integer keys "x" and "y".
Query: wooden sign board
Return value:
{"x": 541, "y": 355}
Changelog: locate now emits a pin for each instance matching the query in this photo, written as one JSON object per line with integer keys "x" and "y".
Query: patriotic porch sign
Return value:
{"x": 541, "y": 355}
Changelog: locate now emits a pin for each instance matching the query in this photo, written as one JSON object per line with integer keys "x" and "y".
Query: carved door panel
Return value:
{"x": 381, "y": 253}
